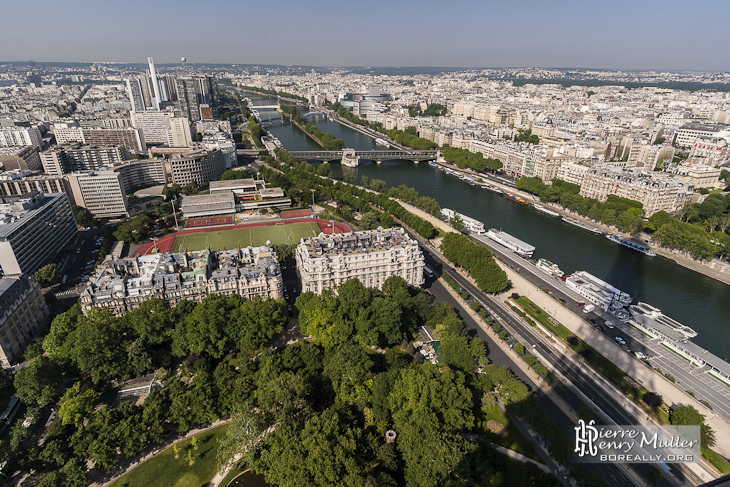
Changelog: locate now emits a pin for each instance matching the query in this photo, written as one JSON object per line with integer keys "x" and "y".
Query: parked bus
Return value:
{"x": 428, "y": 271}
{"x": 9, "y": 415}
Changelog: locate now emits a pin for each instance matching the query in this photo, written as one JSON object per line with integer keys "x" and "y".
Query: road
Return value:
{"x": 687, "y": 376}
{"x": 618, "y": 409}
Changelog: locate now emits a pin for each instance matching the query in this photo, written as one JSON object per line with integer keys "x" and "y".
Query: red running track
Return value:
{"x": 164, "y": 244}
{"x": 209, "y": 222}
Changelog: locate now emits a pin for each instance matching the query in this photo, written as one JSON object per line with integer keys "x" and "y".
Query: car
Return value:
{"x": 641, "y": 355}
{"x": 593, "y": 320}
{"x": 601, "y": 328}
{"x": 580, "y": 304}
{"x": 64, "y": 279}
{"x": 610, "y": 325}
{"x": 294, "y": 289}
{"x": 562, "y": 301}
{"x": 619, "y": 340}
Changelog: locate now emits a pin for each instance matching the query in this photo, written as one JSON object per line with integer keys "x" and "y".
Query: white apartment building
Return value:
{"x": 371, "y": 257}
{"x": 123, "y": 284}
{"x": 76, "y": 157}
{"x": 698, "y": 175}
{"x": 199, "y": 166}
{"x": 33, "y": 228}
{"x": 656, "y": 191}
{"x": 101, "y": 192}
{"x": 178, "y": 134}
{"x": 687, "y": 134}
{"x": 572, "y": 172}
{"x": 19, "y": 136}
{"x": 712, "y": 151}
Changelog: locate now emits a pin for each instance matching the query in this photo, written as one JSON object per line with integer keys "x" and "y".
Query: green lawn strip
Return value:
{"x": 715, "y": 459}
{"x": 719, "y": 379}
{"x": 537, "y": 313}
{"x": 512, "y": 439}
{"x": 164, "y": 470}
{"x": 512, "y": 475}
{"x": 607, "y": 368}
{"x": 676, "y": 353}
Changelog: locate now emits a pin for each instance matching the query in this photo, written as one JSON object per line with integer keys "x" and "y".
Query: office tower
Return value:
{"x": 179, "y": 133}
{"x": 100, "y": 192}
{"x": 155, "y": 86}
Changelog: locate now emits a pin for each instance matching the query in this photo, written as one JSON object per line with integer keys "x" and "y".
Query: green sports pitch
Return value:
{"x": 244, "y": 237}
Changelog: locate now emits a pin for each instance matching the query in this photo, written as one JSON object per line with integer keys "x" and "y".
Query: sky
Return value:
{"x": 612, "y": 34}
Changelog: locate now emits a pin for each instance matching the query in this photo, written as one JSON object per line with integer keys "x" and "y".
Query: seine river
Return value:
{"x": 690, "y": 298}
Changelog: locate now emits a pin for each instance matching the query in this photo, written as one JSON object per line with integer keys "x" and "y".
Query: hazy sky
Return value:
{"x": 629, "y": 34}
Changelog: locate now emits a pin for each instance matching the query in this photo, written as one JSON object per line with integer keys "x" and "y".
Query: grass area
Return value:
{"x": 164, "y": 470}
{"x": 717, "y": 460}
{"x": 545, "y": 319}
{"x": 512, "y": 439}
{"x": 607, "y": 368}
{"x": 512, "y": 475}
{"x": 248, "y": 236}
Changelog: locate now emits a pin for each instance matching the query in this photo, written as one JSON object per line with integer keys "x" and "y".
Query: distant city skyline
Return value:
{"x": 651, "y": 35}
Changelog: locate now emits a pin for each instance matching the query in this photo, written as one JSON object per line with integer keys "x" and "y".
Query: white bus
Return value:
{"x": 428, "y": 271}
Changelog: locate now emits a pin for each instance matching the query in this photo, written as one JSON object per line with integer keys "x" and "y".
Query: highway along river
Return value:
{"x": 690, "y": 298}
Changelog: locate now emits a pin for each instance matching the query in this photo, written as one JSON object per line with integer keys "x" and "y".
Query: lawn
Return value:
{"x": 511, "y": 438}
{"x": 164, "y": 470}
{"x": 244, "y": 237}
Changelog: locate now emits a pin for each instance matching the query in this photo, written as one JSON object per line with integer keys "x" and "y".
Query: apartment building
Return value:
{"x": 77, "y": 157}
{"x": 20, "y": 136}
{"x": 199, "y": 166}
{"x": 33, "y": 228}
{"x": 712, "y": 151}
{"x": 19, "y": 182}
{"x": 130, "y": 138}
{"x": 371, "y": 257}
{"x": 688, "y": 133}
{"x": 154, "y": 125}
{"x": 23, "y": 313}
{"x": 123, "y": 284}
{"x": 698, "y": 175}
{"x": 656, "y": 191}
{"x": 21, "y": 157}
{"x": 178, "y": 134}
{"x": 101, "y": 192}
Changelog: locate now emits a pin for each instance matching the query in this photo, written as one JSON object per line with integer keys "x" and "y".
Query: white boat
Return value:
{"x": 491, "y": 188}
{"x": 549, "y": 268}
{"x": 582, "y": 225}
{"x": 516, "y": 245}
{"x": 631, "y": 244}
{"x": 597, "y": 291}
{"x": 382, "y": 142}
{"x": 652, "y": 317}
{"x": 542, "y": 209}
{"x": 474, "y": 226}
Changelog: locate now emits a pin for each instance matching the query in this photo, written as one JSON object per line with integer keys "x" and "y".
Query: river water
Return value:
{"x": 691, "y": 298}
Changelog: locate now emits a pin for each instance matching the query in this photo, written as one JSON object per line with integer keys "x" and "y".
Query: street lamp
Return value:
{"x": 313, "y": 191}
{"x": 174, "y": 214}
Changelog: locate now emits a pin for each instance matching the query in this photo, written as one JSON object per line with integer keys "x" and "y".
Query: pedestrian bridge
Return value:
{"x": 263, "y": 107}
{"x": 373, "y": 155}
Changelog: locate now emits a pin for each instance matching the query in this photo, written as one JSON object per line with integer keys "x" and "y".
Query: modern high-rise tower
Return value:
{"x": 155, "y": 84}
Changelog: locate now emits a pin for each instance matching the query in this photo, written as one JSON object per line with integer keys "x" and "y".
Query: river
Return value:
{"x": 691, "y": 298}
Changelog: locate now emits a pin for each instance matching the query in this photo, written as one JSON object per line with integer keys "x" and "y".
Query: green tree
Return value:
{"x": 369, "y": 221}
{"x": 38, "y": 382}
{"x": 231, "y": 174}
{"x": 75, "y": 405}
{"x": 654, "y": 474}
{"x": 457, "y": 223}
{"x": 687, "y": 415}
{"x": 47, "y": 274}
{"x": 83, "y": 216}
{"x": 430, "y": 407}
{"x": 135, "y": 230}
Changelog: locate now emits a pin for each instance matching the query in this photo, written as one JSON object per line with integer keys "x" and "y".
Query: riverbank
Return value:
{"x": 311, "y": 136}
{"x": 715, "y": 269}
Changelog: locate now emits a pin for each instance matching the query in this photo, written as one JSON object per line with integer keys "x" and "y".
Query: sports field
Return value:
{"x": 244, "y": 237}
